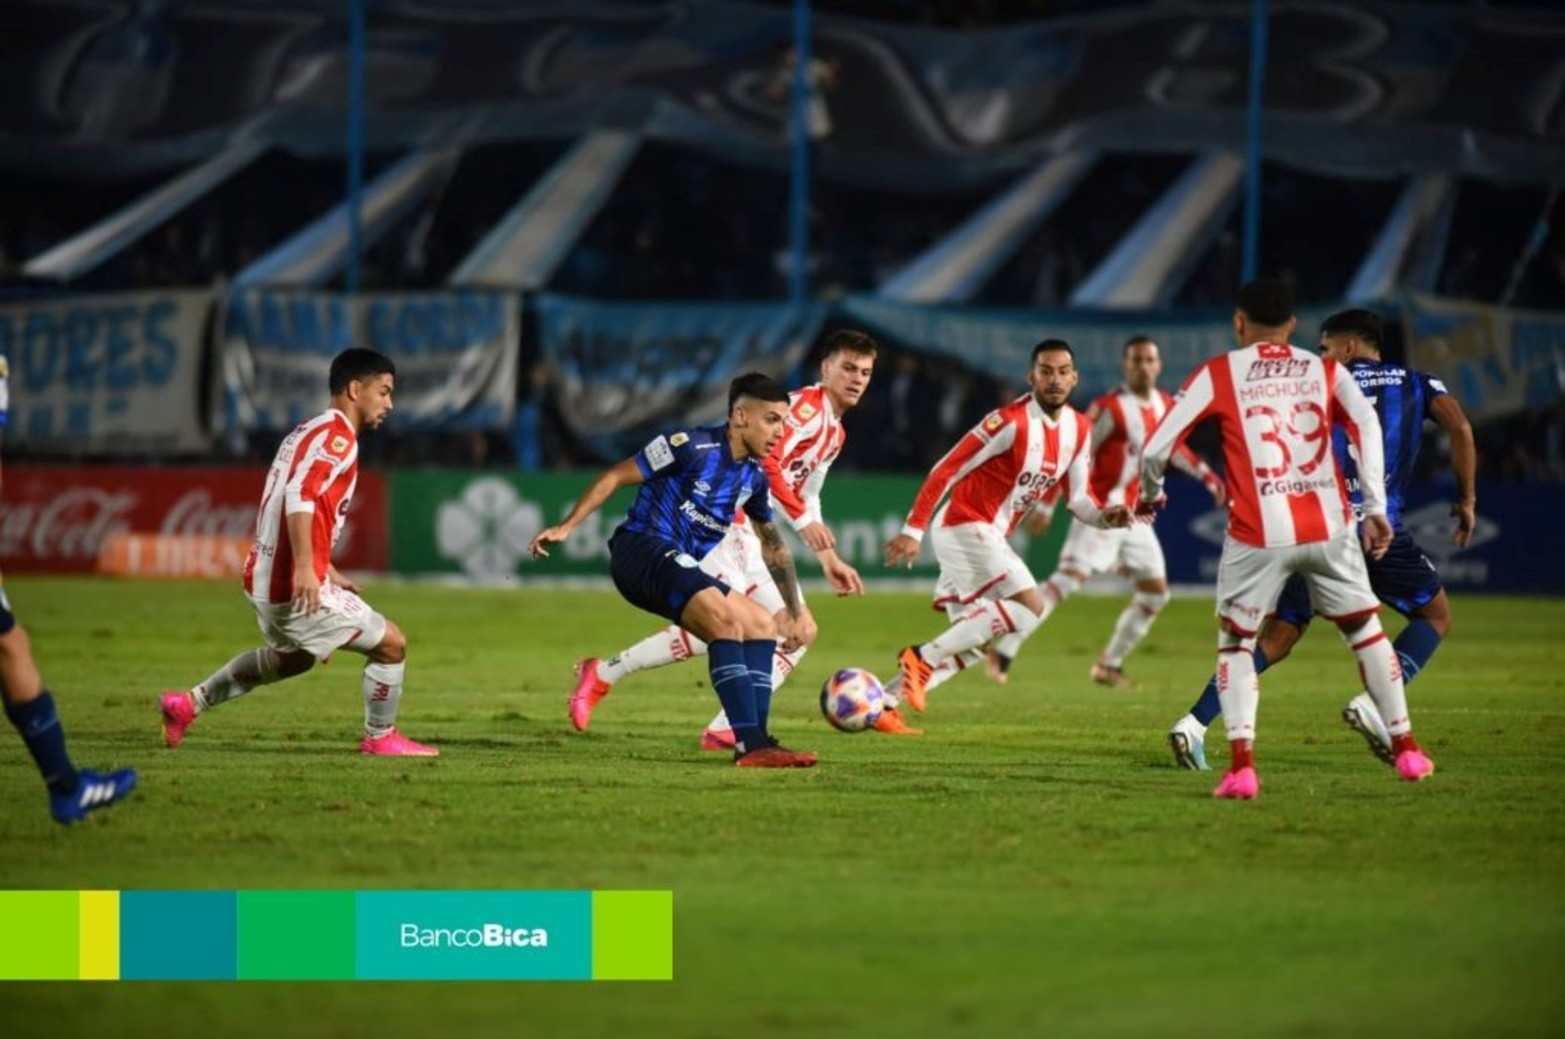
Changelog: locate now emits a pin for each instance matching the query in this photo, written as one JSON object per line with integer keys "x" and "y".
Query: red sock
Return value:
{"x": 1241, "y": 754}
{"x": 1404, "y": 742}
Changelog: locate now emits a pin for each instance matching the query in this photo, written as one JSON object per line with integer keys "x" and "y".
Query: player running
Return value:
{"x": 1403, "y": 578}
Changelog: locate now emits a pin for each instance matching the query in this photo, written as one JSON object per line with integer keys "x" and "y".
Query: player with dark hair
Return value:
{"x": 1404, "y": 578}
{"x": 304, "y": 606}
{"x": 692, "y": 483}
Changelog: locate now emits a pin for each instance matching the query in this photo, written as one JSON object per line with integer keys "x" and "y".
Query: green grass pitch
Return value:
{"x": 1034, "y": 865}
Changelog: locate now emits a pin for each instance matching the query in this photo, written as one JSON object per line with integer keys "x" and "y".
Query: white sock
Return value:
{"x": 668, "y": 646}
{"x": 1133, "y": 624}
{"x": 382, "y": 697}
{"x": 1059, "y": 587}
{"x": 1382, "y": 674}
{"x": 988, "y": 620}
{"x": 943, "y": 672}
{"x": 1238, "y": 688}
{"x": 253, "y": 667}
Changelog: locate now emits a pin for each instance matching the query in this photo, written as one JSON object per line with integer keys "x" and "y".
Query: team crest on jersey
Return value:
{"x": 338, "y": 445}
{"x": 805, "y": 411}
{"x": 679, "y": 438}
{"x": 993, "y": 423}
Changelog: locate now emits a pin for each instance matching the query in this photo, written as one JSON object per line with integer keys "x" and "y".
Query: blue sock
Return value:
{"x": 731, "y": 681}
{"x": 1210, "y": 706}
{"x": 758, "y": 654}
{"x": 1415, "y": 646}
{"x": 45, "y": 738}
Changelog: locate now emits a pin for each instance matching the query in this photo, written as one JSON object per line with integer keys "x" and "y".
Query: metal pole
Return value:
{"x": 356, "y": 23}
{"x": 799, "y": 198}
{"x": 1252, "y": 175}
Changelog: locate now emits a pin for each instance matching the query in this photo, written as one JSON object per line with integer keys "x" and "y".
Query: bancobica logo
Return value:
{"x": 487, "y": 529}
{"x": 486, "y": 936}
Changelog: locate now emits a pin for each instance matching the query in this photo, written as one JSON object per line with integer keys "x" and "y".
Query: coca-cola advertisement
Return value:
{"x": 55, "y": 519}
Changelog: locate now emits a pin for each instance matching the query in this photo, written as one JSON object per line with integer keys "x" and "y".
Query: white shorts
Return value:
{"x": 1250, "y": 579}
{"x": 344, "y": 621}
{"x": 976, "y": 562}
{"x": 1133, "y": 551}
{"x": 737, "y": 562}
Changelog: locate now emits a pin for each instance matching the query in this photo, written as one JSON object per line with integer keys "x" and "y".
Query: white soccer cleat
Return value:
{"x": 1187, "y": 739}
{"x": 1364, "y": 718}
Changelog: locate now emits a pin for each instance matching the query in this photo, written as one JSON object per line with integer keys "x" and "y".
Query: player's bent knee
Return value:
{"x": 1359, "y": 627}
{"x": 291, "y": 664}
{"x": 393, "y": 648}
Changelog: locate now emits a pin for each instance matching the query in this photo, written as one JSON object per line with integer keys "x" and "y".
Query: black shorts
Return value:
{"x": 655, "y": 575}
{"x": 1404, "y": 579}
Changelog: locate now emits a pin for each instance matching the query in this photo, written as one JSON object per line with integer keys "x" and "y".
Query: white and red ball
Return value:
{"x": 852, "y": 699}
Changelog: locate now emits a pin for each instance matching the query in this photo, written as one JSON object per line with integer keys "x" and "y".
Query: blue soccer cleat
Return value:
{"x": 1187, "y": 739}
{"x": 94, "y": 791}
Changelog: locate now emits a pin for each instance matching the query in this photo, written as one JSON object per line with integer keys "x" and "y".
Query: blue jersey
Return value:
{"x": 1401, "y": 398}
{"x": 693, "y": 489}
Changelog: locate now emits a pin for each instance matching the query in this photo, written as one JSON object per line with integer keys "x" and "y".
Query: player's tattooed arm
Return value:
{"x": 779, "y": 563}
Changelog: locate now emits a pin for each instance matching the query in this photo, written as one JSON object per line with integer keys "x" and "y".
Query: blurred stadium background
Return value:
{"x": 571, "y": 223}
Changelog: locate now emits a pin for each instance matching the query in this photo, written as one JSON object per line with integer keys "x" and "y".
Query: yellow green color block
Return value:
{"x": 38, "y": 935}
{"x": 98, "y": 935}
{"x": 632, "y": 936}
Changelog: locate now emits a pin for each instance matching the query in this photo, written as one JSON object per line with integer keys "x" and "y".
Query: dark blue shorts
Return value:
{"x": 655, "y": 575}
{"x": 1404, "y": 579}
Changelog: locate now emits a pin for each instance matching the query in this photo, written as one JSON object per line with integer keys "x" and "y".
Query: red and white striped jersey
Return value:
{"x": 1276, "y": 405}
{"x": 796, "y": 468}
{"x": 1121, "y": 424}
{"x": 1005, "y": 464}
{"x": 315, "y": 470}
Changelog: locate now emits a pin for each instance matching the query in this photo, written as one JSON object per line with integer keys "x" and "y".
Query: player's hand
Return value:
{"x": 1219, "y": 492}
{"x": 1038, "y": 522}
{"x": 341, "y": 580}
{"x": 539, "y": 549}
{"x": 1466, "y": 515}
{"x": 843, "y": 578}
{"x": 306, "y": 591}
{"x": 794, "y": 632}
{"x": 1116, "y": 516}
{"x": 903, "y": 550}
{"x": 1377, "y": 536}
{"x": 818, "y": 537}
{"x": 1146, "y": 509}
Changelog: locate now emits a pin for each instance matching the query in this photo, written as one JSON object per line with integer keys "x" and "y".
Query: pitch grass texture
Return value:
{"x": 1034, "y": 865}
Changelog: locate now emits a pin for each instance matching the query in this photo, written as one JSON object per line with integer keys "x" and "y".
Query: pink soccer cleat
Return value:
{"x": 1413, "y": 765}
{"x": 395, "y": 745}
{"x": 1241, "y": 785}
{"x": 179, "y": 710}
{"x": 717, "y": 739}
{"x": 589, "y": 690}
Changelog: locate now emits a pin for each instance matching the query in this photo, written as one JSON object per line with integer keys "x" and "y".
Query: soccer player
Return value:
{"x": 1404, "y": 578}
{"x": 995, "y": 474}
{"x": 305, "y": 608}
{"x": 1288, "y": 513}
{"x": 30, "y": 707}
{"x": 691, "y": 485}
{"x": 1121, "y": 422}
{"x": 796, "y": 470}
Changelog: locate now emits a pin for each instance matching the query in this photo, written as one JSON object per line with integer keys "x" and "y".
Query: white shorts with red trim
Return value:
{"x": 976, "y": 562}
{"x": 1133, "y": 551}
{"x": 344, "y": 621}
{"x": 736, "y": 560}
{"x": 1249, "y": 579}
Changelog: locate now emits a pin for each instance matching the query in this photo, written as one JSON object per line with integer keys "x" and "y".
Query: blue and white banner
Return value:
{"x": 1000, "y": 342}
{"x": 112, "y": 374}
{"x": 456, "y": 355}
{"x": 1503, "y": 555}
{"x": 1496, "y": 360}
{"x": 621, "y": 372}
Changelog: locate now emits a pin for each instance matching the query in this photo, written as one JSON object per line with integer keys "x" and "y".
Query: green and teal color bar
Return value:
{"x": 336, "y": 935}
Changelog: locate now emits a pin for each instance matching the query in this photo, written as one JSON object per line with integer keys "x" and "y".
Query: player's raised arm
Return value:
{"x": 1464, "y": 465}
{"x": 625, "y": 474}
{"x": 994, "y": 434}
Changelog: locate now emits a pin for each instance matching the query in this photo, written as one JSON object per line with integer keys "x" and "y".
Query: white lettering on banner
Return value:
{"x": 456, "y": 355}
{"x": 195, "y": 513}
{"x": 487, "y": 936}
{"x": 72, "y": 525}
{"x": 112, "y": 373}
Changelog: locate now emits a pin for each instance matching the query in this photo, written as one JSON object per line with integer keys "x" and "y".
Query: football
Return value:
{"x": 852, "y": 699}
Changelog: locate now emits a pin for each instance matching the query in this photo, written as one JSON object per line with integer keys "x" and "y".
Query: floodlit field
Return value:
{"x": 1034, "y": 865}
